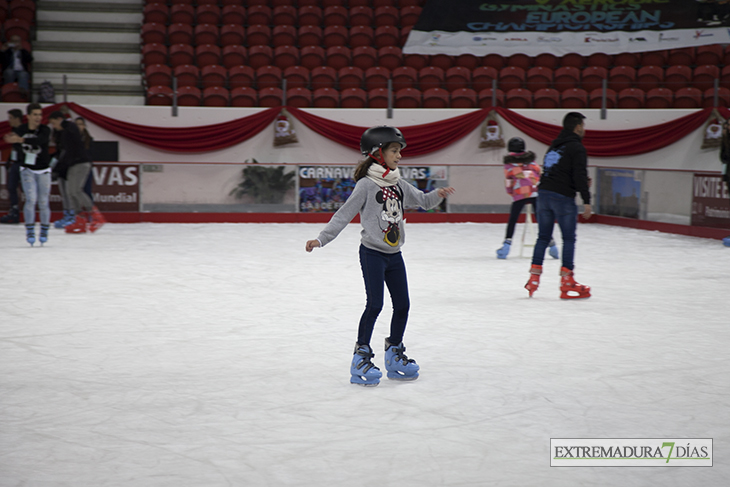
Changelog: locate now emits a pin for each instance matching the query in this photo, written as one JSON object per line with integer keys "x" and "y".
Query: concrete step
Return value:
{"x": 91, "y": 99}
{"x": 106, "y": 90}
{"x": 121, "y": 6}
{"x": 40, "y": 56}
{"x": 84, "y": 16}
{"x": 103, "y": 27}
{"x": 89, "y": 36}
{"x": 63, "y": 46}
{"x": 88, "y": 78}
{"x": 87, "y": 68}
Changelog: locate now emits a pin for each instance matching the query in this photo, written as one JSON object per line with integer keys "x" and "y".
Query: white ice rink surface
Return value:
{"x": 214, "y": 355}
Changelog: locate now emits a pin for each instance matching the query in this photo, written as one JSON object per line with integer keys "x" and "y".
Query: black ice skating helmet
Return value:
{"x": 516, "y": 144}
{"x": 378, "y": 137}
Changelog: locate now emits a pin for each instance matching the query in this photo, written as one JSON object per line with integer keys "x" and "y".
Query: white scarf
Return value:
{"x": 383, "y": 177}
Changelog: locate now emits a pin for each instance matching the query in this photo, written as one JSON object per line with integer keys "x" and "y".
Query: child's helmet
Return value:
{"x": 378, "y": 137}
{"x": 516, "y": 144}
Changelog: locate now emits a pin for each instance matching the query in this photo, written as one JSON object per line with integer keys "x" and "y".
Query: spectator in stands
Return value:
{"x": 725, "y": 153}
{"x": 15, "y": 119}
{"x": 16, "y": 64}
{"x": 75, "y": 159}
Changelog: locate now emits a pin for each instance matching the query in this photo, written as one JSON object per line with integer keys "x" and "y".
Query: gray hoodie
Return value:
{"x": 381, "y": 214}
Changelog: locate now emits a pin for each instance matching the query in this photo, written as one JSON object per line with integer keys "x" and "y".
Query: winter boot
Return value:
{"x": 362, "y": 369}
{"x": 96, "y": 220}
{"x": 534, "y": 281}
{"x": 504, "y": 251}
{"x": 569, "y": 289}
{"x": 553, "y": 250}
{"x": 78, "y": 226}
{"x": 43, "y": 238}
{"x": 68, "y": 218}
{"x": 30, "y": 233}
{"x": 13, "y": 216}
{"x": 399, "y": 366}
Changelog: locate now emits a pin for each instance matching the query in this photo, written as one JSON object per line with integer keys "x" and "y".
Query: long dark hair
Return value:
{"x": 361, "y": 170}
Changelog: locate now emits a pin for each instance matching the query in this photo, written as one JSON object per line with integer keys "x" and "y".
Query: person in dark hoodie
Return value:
{"x": 521, "y": 176}
{"x": 565, "y": 173}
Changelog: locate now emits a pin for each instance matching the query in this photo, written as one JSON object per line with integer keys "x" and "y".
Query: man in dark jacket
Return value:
{"x": 16, "y": 63}
{"x": 565, "y": 173}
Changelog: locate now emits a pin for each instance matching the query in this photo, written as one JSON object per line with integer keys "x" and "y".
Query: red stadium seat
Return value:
{"x": 244, "y": 96}
{"x": 323, "y": 77}
{"x": 546, "y": 98}
{"x": 299, "y": 97}
{"x": 510, "y": 78}
{"x": 519, "y": 98}
{"x": 233, "y": 56}
{"x": 213, "y": 75}
{"x": 364, "y": 57}
{"x": 241, "y": 77}
{"x": 376, "y": 77}
{"x": 687, "y": 98}
{"x": 216, "y": 96}
{"x": 188, "y": 96}
{"x": 326, "y": 98}
{"x": 181, "y": 13}
{"x": 547, "y": 60}
{"x": 333, "y": 3}
{"x": 409, "y": 14}
{"x": 336, "y": 15}
{"x": 310, "y": 35}
{"x": 353, "y": 98}
{"x": 600, "y": 59}
{"x": 226, "y": 3}
{"x": 380, "y": 3}
{"x": 187, "y": 75}
{"x": 676, "y": 77}
{"x": 378, "y": 98}
{"x": 11, "y": 93}
{"x": 260, "y": 56}
{"x": 284, "y": 35}
{"x": 158, "y": 75}
{"x": 310, "y": 15}
{"x": 592, "y": 78}
{"x": 649, "y": 77}
{"x": 181, "y": 54}
{"x": 159, "y": 95}
{"x": 390, "y": 57}
{"x": 157, "y": 13}
{"x": 411, "y": 3}
{"x": 285, "y": 56}
{"x": 206, "y": 34}
{"x": 386, "y": 35}
{"x": 207, "y": 14}
{"x": 338, "y": 57}
{"x": 621, "y": 77}
{"x": 712, "y": 55}
{"x": 654, "y": 58}
{"x": 208, "y": 54}
{"x": 495, "y": 61}
{"x": 573, "y": 60}
{"x": 574, "y": 98}
{"x": 358, "y": 3}
{"x": 154, "y": 54}
{"x": 270, "y": 97}
{"x": 566, "y": 78}
{"x": 409, "y": 98}
{"x": 268, "y": 77}
{"x": 259, "y": 15}
{"x": 233, "y": 14}
{"x": 481, "y": 78}
{"x": 350, "y": 77}
{"x": 684, "y": 56}
{"x": 304, "y": 3}
{"x": 361, "y": 16}
{"x": 361, "y": 35}
{"x": 284, "y": 15}
{"x": 430, "y": 77}
{"x": 627, "y": 59}
{"x": 23, "y": 10}
{"x": 19, "y": 27}
{"x": 487, "y": 97}
{"x": 659, "y": 98}
{"x": 539, "y": 78}
{"x": 180, "y": 34}
{"x": 631, "y": 98}
{"x": 723, "y": 98}
{"x": 386, "y": 15}
{"x": 595, "y": 98}
{"x": 443, "y": 61}
{"x": 520, "y": 60}
{"x": 415, "y": 61}
{"x": 232, "y": 35}
{"x": 258, "y": 35}
{"x": 704, "y": 77}
{"x": 468, "y": 61}
{"x": 725, "y": 77}
{"x": 335, "y": 35}
{"x": 457, "y": 78}
{"x": 311, "y": 56}
{"x": 296, "y": 77}
{"x": 463, "y": 98}
{"x": 404, "y": 77}
{"x": 153, "y": 33}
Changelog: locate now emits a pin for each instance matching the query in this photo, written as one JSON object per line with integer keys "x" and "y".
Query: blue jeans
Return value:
{"x": 551, "y": 207}
{"x": 379, "y": 268}
{"x": 23, "y": 78}
{"x": 37, "y": 189}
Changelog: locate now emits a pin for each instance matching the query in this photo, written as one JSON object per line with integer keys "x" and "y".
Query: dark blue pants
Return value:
{"x": 13, "y": 182}
{"x": 514, "y": 213}
{"x": 379, "y": 268}
{"x": 551, "y": 207}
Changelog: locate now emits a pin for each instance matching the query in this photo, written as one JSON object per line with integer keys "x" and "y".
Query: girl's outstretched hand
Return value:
{"x": 311, "y": 244}
{"x": 444, "y": 192}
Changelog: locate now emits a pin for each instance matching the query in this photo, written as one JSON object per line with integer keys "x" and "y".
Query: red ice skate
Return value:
{"x": 78, "y": 226}
{"x": 569, "y": 289}
{"x": 534, "y": 280}
{"x": 96, "y": 220}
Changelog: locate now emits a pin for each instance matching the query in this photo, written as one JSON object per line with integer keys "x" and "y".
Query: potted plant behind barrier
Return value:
{"x": 265, "y": 184}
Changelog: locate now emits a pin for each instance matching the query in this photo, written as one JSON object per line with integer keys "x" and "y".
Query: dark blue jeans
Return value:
{"x": 551, "y": 207}
{"x": 379, "y": 268}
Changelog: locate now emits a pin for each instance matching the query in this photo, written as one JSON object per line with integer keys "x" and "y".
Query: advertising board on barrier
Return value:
{"x": 326, "y": 188}
{"x": 115, "y": 187}
{"x": 710, "y": 201}
{"x": 619, "y": 192}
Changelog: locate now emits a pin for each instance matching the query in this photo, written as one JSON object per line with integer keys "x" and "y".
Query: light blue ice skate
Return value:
{"x": 362, "y": 369}
{"x": 68, "y": 219}
{"x": 399, "y": 366}
{"x": 30, "y": 234}
{"x": 504, "y": 251}
{"x": 43, "y": 238}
